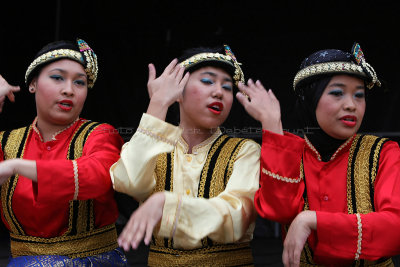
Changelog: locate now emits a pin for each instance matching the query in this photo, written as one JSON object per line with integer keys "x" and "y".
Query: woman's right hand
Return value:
{"x": 261, "y": 104}
{"x": 6, "y": 90}
{"x": 165, "y": 89}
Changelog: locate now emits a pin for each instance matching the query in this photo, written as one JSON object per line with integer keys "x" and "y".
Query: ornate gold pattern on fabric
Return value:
{"x": 156, "y": 136}
{"x": 86, "y": 57}
{"x": 224, "y": 161}
{"x": 51, "y": 55}
{"x": 221, "y": 255}
{"x": 81, "y": 245}
{"x": 13, "y": 144}
{"x": 359, "y": 238}
{"x": 76, "y": 179}
{"x": 206, "y": 166}
{"x": 327, "y": 68}
{"x": 203, "y": 57}
{"x": 283, "y": 178}
{"x": 358, "y": 171}
{"x": 221, "y": 172}
{"x": 334, "y": 154}
{"x": 80, "y": 139}
{"x": 80, "y": 239}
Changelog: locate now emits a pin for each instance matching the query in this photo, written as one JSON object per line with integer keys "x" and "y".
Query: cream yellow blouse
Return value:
{"x": 227, "y": 218}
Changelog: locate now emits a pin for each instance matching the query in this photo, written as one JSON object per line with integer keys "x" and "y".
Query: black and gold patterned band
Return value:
{"x": 84, "y": 56}
{"x": 229, "y": 59}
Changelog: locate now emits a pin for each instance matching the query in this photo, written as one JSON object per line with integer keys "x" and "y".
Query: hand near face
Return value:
{"x": 6, "y": 90}
{"x": 165, "y": 89}
{"x": 142, "y": 222}
{"x": 262, "y": 105}
{"x": 296, "y": 237}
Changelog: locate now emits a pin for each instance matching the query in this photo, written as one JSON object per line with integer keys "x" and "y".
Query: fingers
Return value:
{"x": 185, "y": 79}
{"x": 242, "y": 99}
{"x": 170, "y": 68}
{"x": 152, "y": 72}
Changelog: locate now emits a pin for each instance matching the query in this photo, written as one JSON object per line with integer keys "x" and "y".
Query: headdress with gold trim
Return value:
{"x": 79, "y": 52}
{"x": 331, "y": 61}
{"x": 228, "y": 62}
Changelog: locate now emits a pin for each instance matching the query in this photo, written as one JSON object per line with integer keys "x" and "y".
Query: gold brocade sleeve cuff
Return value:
{"x": 170, "y": 215}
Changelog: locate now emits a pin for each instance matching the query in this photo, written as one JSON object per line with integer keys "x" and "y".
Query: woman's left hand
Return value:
{"x": 142, "y": 222}
{"x": 296, "y": 237}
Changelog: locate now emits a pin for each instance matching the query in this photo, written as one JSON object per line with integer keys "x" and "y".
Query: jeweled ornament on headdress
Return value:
{"x": 354, "y": 65}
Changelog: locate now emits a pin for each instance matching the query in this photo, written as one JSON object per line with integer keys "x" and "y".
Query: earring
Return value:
{"x": 32, "y": 90}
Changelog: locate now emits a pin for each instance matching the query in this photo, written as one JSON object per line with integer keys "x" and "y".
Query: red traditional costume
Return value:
{"x": 73, "y": 197}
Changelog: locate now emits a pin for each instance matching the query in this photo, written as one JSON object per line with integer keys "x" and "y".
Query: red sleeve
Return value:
{"x": 280, "y": 196}
{"x": 337, "y": 233}
{"x": 57, "y": 178}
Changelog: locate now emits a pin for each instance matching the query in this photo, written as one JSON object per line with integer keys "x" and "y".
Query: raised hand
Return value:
{"x": 296, "y": 237}
{"x": 165, "y": 89}
{"x": 261, "y": 104}
{"x": 6, "y": 90}
{"x": 142, "y": 222}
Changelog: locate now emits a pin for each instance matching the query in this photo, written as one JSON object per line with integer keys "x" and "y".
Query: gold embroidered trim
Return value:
{"x": 359, "y": 239}
{"x": 283, "y": 178}
{"x": 156, "y": 136}
{"x": 10, "y": 151}
{"x": 225, "y": 157}
{"x": 328, "y": 67}
{"x": 206, "y": 166}
{"x": 81, "y": 245}
{"x": 334, "y": 154}
{"x": 67, "y": 53}
{"x": 76, "y": 179}
{"x": 80, "y": 139}
{"x": 220, "y": 255}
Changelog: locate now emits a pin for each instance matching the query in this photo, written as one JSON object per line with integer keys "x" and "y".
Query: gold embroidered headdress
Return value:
{"x": 228, "y": 60}
{"x": 82, "y": 54}
{"x": 332, "y": 61}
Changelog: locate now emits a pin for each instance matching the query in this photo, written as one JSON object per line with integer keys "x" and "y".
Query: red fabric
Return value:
{"x": 335, "y": 240}
{"x": 42, "y": 208}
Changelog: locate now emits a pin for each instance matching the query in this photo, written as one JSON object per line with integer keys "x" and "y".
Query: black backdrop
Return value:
{"x": 270, "y": 38}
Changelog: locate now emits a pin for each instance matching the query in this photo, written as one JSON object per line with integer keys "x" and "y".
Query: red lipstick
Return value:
{"x": 65, "y": 105}
{"x": 349, "y": 120}
{"x": 216, "y": 107}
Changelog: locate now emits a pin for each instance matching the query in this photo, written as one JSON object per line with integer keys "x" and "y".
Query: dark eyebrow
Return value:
{"x": 63, "y": 71}
{"x": 215, "y": 75}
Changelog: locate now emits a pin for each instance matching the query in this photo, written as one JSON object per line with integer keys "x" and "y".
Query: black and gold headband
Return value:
{"x": 229, "y": 59}
{"x": 85, "y": 56}
{"x": 356, "y": 65}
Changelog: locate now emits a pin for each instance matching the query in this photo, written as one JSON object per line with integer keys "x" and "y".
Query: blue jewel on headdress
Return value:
{"x": 357, "y": 53}
{"x": 229, "y": 52}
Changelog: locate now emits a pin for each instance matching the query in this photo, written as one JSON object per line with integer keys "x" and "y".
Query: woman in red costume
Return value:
{"x": 56, "y": 194}
{"x": 336, "y": 192}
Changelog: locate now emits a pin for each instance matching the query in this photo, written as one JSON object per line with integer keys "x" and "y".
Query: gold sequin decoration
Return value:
{"x": 81, "y": 245}
{"x": 198, "y": 58}
{"x": 328, "y": 67}
{"x": 13, "y": 144}
{"x": 221, "y": 255}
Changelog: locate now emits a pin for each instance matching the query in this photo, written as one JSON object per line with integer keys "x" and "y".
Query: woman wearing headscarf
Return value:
{"x": 57, "y": 199}
{"x": 336, "y": 191}
{"x": 195, "y": 183}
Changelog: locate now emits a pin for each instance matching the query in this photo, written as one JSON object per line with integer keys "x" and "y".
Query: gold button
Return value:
{"x": 187, "y": 191}
{"x": 189, "y": 158}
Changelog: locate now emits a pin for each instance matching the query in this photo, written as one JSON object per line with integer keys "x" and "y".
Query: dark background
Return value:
{"x": 270, "y": 39}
